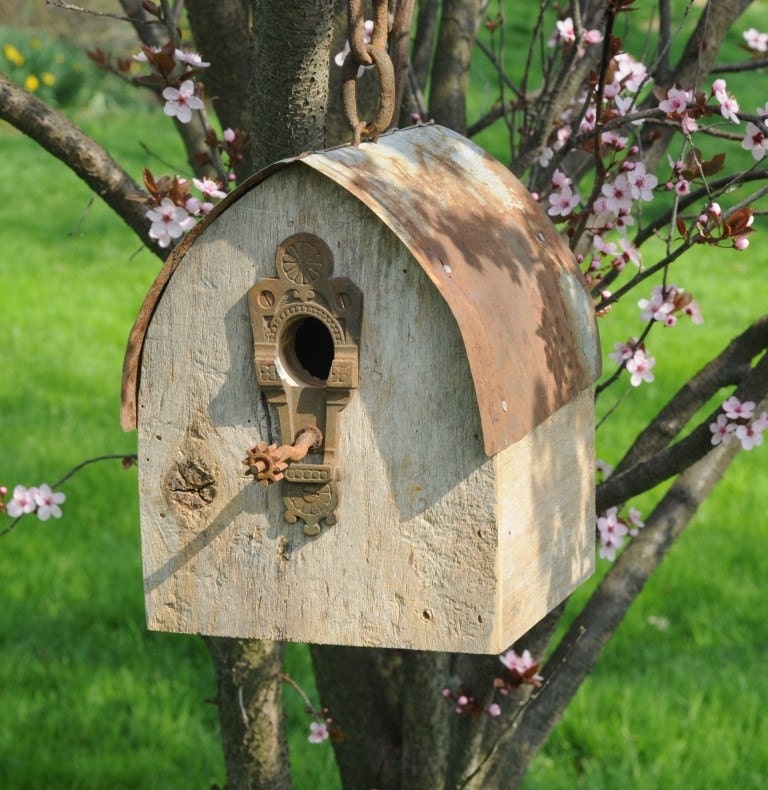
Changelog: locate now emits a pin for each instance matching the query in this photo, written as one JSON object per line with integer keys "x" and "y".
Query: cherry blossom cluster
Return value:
{"x": 323, "y": 728}
{"x": 666, "y": 302}
{"x": 176, "y": 69}
{"x": 40, "y": 500}
{"x": 633, "y": 357}
{"x": 174, "y": 210}
{"x": 518, "y": 670}
{"x": 465, "y": 704}
{"x": 565, "y": 33}
{"x": 624, "y": 186}
{"x": 738, "y": 420}
{"x": 712, "y": 227}
{"x": 613, "y": 530}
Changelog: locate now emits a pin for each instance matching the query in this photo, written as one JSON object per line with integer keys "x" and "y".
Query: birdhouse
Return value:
{"x": 363, "y": 394}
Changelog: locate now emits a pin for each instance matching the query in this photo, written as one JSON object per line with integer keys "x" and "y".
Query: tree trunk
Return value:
{"x": 450, "y": 68}
{"x": 251, "y": 712}
{"x": 289, "y": 88}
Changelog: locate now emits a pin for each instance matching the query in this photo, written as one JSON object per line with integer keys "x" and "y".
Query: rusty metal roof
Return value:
{"x": 511, "y": 282}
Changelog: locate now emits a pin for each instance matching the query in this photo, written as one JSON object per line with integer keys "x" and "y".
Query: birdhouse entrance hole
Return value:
{"x": 307, "y": 351}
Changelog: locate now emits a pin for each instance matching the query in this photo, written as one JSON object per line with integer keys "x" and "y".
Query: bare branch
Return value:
{"x": 651, "y": 471}
{"x": 70, "y": 7}
{"x": 399, "y": 38}
{"x": 744, "y": 65}
{"x": 60, "y": 137}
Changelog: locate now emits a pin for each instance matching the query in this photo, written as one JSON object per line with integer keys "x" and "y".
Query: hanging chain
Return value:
{"x": 362, "y": 54}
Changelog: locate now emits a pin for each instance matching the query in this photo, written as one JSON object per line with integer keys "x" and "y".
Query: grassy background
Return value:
{"x": 91, "y": 699}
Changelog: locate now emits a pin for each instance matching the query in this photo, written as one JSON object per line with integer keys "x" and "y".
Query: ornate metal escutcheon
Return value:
{"x": 306, "y": 333}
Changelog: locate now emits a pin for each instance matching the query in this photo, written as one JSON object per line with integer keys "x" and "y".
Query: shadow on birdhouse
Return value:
{"x": 363, "y": 394}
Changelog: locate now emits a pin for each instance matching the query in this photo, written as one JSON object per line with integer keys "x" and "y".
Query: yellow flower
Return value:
{"x": 13, "y": 55}
{"x": 47, "y": 78}
{"x": 31, "y": 83}
{"x": 35, "y": 43}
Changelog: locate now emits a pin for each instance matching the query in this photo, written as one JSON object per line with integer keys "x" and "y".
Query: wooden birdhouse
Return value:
{"x": 363, "y": 394}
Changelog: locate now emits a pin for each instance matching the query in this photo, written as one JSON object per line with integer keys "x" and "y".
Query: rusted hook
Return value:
{"x": 268, "y": 462}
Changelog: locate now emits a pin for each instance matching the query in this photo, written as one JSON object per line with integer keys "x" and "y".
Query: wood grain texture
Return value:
{"x": 437, "y": 546}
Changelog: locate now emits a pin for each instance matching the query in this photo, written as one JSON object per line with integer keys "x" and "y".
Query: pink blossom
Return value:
{"x": 756, "y": 41}
{"x": 565, "y": 31}
{"x": 741, "y": 243}
{"x": 609, "y": 522}
{"x": 141, "y": 55}
{"x": 48, "y": 502}
{"x": 641, "y": 183}
{"x": 209, "y": 187}
{"x": 22, "y": 502}
{"x": 560, "y": 179}
{"x": 562, "y": 202}
{"x": 719, "y": 89}
{"x": 228, "y": 135}
{"x": 494, "y": 710}
{"x": 623, "y": 351}
{"x": 545, "y": 156}
{"x": 640, "y": 368}
{"x": 318, "y": 732}
{"x": 190, "y": 58}
{"x": 631, "y": 253}
{"x": 749, "y": 435}
{"x": 693, "y": 310}
{"x": 625, "y": 105}
{"x": 608, "y": 546}
{"x": 521, "y": 664}
{"x": 593, "y": 36}
{"x": 601, "y": 467}
{"x": 613, "y": 140}
{"x": 755, "y": 142}
{"x": 606, "y": 248}
{"x": 562, "y": 135}
{"x": 340, "y": 57}
{"x": 682, "y": 187}
{"x": 588, "y": 121}
{"x": 676, "y": 101}
{"x": 198, "y": 208}
{"x": 636, "y": 519}
{"x": 618, "y": 194}
{"x": 180, "y": 102}
{"x": 721, "y": 430}
{"x": 734, "y": 409}
{"x": 630, "y": 73}
{"x": 728, "y": 108}
{"x": 660, "y": 305}
{"x": 688, "y": 124}
{"x": 169, "y": 221}
{"x": 611, "y": 531}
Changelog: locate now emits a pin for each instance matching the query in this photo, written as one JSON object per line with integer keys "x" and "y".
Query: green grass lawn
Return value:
{"x": 90, "y": 699}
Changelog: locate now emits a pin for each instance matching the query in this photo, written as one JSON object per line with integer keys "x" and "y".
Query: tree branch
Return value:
{"x": 727, "y": 369}
{"x": 60, "y": 137}
{"x": 651, "y": 471}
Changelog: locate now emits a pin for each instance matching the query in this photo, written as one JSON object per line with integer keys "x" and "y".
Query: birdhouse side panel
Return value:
{"x": 547, "y": 480}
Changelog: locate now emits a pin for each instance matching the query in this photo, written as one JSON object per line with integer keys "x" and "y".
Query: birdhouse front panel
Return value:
{"x": 300, "y": 318}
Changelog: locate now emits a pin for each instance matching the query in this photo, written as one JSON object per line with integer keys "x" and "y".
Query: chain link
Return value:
{"x": 362, "y": 54}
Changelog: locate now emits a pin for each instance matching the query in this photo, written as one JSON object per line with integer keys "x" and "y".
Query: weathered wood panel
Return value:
{"x": 429, "y": 551}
